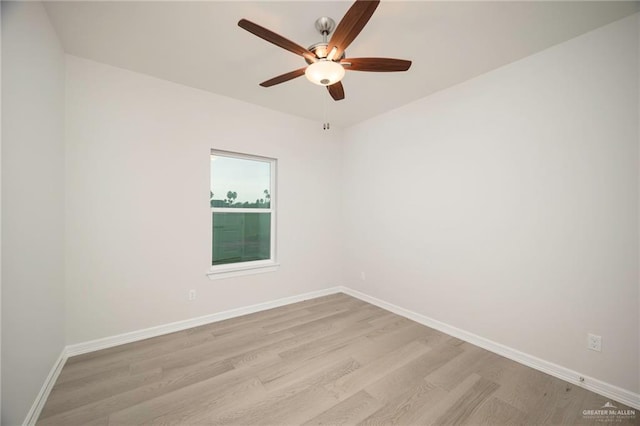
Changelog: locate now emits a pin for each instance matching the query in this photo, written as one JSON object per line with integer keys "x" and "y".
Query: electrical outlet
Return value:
{"x": 594, "y": 342}
{"x": 363, "y": 276}
{"x": 192, "y": 294}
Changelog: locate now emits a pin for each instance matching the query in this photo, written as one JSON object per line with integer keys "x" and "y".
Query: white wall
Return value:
{"x": 507, "y": 206}
{"x": 138, "y": 220}
{"x": 32, "y": 204}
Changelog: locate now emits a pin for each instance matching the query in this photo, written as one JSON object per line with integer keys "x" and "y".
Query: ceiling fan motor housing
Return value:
{"x": 320, "y": 50}
{"x": 325, "y": 26}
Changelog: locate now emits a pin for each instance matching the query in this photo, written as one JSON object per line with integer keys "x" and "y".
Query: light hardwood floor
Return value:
{"x": 331, "y": 360}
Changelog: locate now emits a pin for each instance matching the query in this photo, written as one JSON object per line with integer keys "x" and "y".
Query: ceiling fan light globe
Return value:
{"x": 324, "y": 73}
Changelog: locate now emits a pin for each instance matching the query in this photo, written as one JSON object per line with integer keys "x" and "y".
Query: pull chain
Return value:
{"x": 326, "y": 125}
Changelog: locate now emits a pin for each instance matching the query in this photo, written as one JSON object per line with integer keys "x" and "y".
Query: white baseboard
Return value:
{"x": 38, "y": 404}
{"x": 605, "y": 389}
{"x": 134, "y": 336}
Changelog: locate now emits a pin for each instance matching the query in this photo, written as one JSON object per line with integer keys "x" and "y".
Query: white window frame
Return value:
{"x": 257, "y": 266}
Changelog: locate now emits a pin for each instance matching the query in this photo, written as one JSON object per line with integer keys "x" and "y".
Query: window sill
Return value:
{"x": 239, "y": 271}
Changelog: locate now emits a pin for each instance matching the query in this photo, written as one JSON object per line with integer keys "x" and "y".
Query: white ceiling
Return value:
{"x": 199, "y": 44}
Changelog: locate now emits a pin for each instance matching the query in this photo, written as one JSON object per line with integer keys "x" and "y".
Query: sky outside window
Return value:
{"x": 247, "y": 178}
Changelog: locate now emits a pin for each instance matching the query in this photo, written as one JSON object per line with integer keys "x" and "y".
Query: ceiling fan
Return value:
{"x": 326, "y": 60}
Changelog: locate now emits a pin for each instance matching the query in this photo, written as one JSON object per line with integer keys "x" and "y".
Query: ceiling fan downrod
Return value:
{"x": 325, "y": 26}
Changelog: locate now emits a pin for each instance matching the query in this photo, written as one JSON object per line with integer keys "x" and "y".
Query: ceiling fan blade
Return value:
{"x": 284, "y": 77}
{"x": 375, "y": 64}
{"x": 276, "y": 39}
{"x": 350, "y": 26}
{"x": 336, "y": 91}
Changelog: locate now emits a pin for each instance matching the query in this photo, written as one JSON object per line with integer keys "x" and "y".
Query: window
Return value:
{"x": 242, "y": 200}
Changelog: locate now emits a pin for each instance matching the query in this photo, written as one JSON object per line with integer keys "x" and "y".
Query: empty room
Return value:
{"x": 302, "y": 212}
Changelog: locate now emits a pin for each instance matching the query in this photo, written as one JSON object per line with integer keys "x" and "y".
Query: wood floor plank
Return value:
{"x": 433, "y": 411}
{"x": 272, "y": 411}
{"x": 63, "y": 400}
{"x": 169, "y": 383}
{"x": 454, "y": 372}
{"x": 496, "y": 412}
{"x": 468, "y": 403}
{"x": 117, "y": 361}
{"x": 412, "y": 373}
{"x": 333, "y": 320}
{"x": 304, "y": 389}
{"x": 215, "y": 403}
{"x": 141, "y": 349}
{"x": 327, "y": 344}
{"x": 307, "y": 321}
{"x": 269, "y": 349}
{"x": 377, "y": 369}
{"x": 351, "y": 411}
{"x": 329, "y": 360}
{"x": 293, "y": 371}
{"x": 523, "y": 388}
{"x": 87, "y": 378}
{"x": 319, "y": 377}
{"x": 218, "y": 349}
{"x": 407, "y": 407}
{"x": 129, "y": 349}
{"x": 176, "y": 407}
{"x": 391, "y": 340}
{"x": 87, "y": 371}
{"x": 560, "y": 404}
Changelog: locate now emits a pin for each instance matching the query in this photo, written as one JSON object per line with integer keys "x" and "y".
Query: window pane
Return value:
{"x": 240, "y": 183}
{"x": 241, "y": 237}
